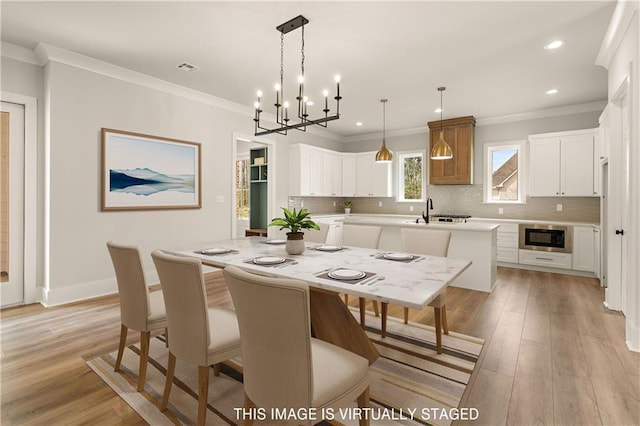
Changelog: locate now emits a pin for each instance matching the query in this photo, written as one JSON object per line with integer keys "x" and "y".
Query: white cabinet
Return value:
{"x": 562, "y": 164}
{"x": 372, "y": 179}
{"x": 507, "y": 243}
{"x": 314, "y": 171}
{"x": 586, "y": 252}
{"x": 544, "y": 258}
{"x": 349, "y": 175}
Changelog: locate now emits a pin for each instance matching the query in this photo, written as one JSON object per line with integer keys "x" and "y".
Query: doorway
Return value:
{"x": 12, "y": 161}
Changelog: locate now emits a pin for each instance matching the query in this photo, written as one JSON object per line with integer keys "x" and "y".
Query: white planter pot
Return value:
{"x": 295, "y": 243}
{"x": 347, "y": 210}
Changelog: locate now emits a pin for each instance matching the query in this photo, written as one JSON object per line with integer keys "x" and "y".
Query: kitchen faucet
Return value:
{"x": 425, "y": 214}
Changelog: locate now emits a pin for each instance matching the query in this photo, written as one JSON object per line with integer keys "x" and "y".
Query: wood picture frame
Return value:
{"x": 145, "y": 172}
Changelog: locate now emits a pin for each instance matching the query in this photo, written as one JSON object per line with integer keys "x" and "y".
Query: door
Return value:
{"x": 12, "y": 128}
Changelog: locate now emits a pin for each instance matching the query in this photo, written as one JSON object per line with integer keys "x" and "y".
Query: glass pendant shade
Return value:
{"x": 384, "y": 155}
{"x": 441, "y": 150}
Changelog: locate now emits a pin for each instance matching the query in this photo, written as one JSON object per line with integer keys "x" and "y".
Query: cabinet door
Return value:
{"x": 577, "y": 166}
{"x": 332, "y": 176}
{"x": 381, "y": 179}
{"x": 583, "y": 248}
{"x": 348, "y": 175}
{"x": 364, "y": 166}
{"x": 544, "y": 165}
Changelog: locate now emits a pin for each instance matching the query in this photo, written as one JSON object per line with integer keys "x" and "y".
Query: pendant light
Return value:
{"x": 441, "y": 150}
{"x": 384, "y": 155}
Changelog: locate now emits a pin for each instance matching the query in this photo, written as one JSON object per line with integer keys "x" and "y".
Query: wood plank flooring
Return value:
{"x": 553, "y": 355}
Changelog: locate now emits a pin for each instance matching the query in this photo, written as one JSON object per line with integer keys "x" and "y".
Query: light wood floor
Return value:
{"x": 553, "y": 355}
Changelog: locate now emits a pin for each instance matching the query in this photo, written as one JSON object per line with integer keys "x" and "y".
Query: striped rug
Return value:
{"x": 410, "y": 383}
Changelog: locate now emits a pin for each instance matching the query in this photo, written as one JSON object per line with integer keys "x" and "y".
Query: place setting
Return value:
{"x": 346, "y": 275}
{"x": 397, "y": 257}
{"x": 271, "y": 261}
{"x": 216, "y": 251}
{"x": 329, "y": 248}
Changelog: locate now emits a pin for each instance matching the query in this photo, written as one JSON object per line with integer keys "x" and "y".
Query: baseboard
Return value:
{"x": 633, "y": 344}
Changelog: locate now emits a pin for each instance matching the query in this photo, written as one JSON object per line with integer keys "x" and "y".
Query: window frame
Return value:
{"x": 487, "y": 189}
{"x": 400, "y": 174}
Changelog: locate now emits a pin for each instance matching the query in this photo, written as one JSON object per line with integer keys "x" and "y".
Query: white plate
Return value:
{"x": 328, "y": 248}
{"x": 398, "y": 256}
{"x": 215, "y": 250}
{"x": 268, "y": 260}
{"x": 346, "y": 274}
{"x": 276, "y": 241}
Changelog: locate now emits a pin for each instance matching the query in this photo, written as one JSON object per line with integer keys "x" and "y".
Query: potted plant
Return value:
{"x": 347, "y": 206}
{"x": 294, "y": 221}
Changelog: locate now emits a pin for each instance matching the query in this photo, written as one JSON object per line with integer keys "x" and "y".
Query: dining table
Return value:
{"x": 407, "y": 279}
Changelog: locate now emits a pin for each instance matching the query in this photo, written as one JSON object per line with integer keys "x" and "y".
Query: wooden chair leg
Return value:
{"x": 346, "y": 299}
{"x": 166, "y": 337}
{"x": 437, "y": 312}
{"x": 375, "y": 307}
{"x": 216, "y": 369}
{"x": 145, "y": 337}
{"x": 123, "y": 342}
{"x": 445, "y": 327}
{"x": 171, "y": 368}
{"x": 363, "y": 311}
{"x": 384, "y": 307}
{"x": 203, "y": 393}
{"x": 406, "y": 315}
{"x": 363, "y": 402}
{"x": 248, "y": 406}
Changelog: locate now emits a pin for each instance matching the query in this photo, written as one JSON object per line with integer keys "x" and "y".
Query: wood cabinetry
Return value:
{"x": 562, "y": 164}
{"x": 459, "y": 134}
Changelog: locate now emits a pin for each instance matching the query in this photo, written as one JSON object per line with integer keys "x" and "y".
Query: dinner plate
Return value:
{"x": 215, "y": 250}
{"x": 346, "y": 274}
{"x": 276, "y": 241}
{"x": 398, "y": 256}
{"x": 328, "y": 248}
{"x": 268, "y": 260}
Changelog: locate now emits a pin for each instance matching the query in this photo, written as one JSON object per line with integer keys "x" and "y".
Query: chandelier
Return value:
{"x": 282, "y": 106}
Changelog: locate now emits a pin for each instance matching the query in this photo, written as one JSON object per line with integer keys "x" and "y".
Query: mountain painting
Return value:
{"x": 149, "y": 172}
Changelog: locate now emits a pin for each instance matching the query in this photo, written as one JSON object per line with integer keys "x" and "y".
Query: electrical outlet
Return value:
{"x": 500, "y": 210}
{"x": 379, "y": 203}
{"x": 334, "y": 204}
{"x": 220, "y": 199}
{"x": 301, "y": 203}
{"x": 410, "y": 208}
{"x": 559, "y": 207}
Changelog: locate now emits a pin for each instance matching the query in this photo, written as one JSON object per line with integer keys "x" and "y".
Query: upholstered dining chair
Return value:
{"x": 320, "y": 236}
{"x": 432, "y": 242}
{"x": 361, "y": 236}
{"x": 200, "y": 335}
{"x": 284, "y": 367}
{"x": 140, "y": 309}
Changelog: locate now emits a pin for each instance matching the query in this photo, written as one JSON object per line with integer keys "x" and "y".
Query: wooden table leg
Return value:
{"x": 332, "y": 322}
{"x": 438, "y": 314}
{"x": 383, "y": 313}
{"x": 363, "y": 313}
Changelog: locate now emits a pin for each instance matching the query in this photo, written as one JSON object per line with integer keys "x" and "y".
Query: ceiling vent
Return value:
{"x": 186, "y": 66}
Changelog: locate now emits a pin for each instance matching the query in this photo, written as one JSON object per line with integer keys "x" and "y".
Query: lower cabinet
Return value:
{"x": 545, "y": 258}
{"x": 586, "y": 253}
{"x": 507, "y": 243}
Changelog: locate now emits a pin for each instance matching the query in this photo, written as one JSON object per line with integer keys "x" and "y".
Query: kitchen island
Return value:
{"x": 476, "y": 241}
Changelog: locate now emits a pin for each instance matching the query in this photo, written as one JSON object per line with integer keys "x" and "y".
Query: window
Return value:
{"x": 242, "y": 189}
{"x": 503, "y": 172}
{"x": 411, "y": 176}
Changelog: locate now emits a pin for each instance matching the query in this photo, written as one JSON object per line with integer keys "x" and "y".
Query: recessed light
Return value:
{"x": 554, "y": 44}
{"x": 552, "y": 91}
{"x": 437, "y": 110}
{"x": 359, "y": 123}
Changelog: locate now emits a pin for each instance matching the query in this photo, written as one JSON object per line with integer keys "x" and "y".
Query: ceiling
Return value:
{"x": 489, "y": 55}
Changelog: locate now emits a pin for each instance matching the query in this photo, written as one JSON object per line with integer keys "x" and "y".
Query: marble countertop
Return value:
{"x": 411, "y": 284}
{"x": 410, "y": 221}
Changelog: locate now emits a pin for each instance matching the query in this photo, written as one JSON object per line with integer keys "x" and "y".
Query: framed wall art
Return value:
{"x": 143, "y": 172}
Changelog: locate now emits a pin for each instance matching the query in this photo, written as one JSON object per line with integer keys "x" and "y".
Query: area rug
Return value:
{"x": 410, "y": 383}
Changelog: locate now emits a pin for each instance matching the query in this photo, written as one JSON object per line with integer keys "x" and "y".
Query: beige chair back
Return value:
{"x": 273, "y": 313}
{"x": 361, "y": 236}
{"x": 432, "y": 242}
{"x": 186, "y": 306}
{"x": 132, "y": 288}
{"x": 313, "y": 236}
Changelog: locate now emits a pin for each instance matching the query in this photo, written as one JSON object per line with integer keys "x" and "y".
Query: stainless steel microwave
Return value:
{"x": 546, "y": 238}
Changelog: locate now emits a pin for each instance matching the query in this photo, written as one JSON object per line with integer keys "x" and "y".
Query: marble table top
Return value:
{"x": 412, "y": 284}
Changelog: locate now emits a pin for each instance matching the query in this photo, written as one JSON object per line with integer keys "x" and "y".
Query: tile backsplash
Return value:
{"x": 463, "y": 199}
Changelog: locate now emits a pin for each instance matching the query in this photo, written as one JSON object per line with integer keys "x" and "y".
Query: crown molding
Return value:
{"x": 618, "y": 25}
{"x": 19, "y": 53}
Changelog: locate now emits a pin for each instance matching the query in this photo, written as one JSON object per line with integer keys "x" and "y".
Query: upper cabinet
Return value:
{"x": 372, "y": 179}
{"x": 562, "y": 164}
{"x": 459, "y": 134}
{"x": 324, "y": 173}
